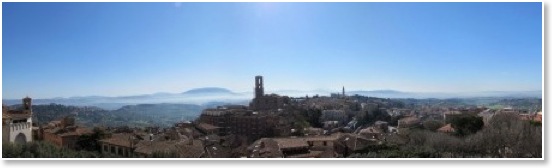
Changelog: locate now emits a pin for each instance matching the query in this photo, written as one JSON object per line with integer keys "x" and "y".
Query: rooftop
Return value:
{"x": 121, "y": 139}
{"x": 206, "y": 126}
{"x": 446, "y": 128}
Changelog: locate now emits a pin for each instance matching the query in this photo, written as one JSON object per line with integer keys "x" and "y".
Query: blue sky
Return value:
{"x": 115, "y": 49}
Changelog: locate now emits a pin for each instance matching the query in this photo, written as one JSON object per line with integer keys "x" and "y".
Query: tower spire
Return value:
{"x": 343, "y": 92}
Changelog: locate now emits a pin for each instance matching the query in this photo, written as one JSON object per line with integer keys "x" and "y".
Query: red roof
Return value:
{"x": 447, "y": 128}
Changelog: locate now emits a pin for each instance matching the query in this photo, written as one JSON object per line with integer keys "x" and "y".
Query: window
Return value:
{"x": 325, "y": 143}
{"x": 113, "y": 149}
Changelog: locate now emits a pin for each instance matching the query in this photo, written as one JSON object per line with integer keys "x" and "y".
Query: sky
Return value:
{"x": 118, "y": 49}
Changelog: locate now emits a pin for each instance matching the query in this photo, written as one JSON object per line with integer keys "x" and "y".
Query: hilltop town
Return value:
{"x": 279, "y": 126}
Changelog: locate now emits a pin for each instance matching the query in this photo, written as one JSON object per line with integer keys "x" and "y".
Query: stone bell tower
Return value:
{"x": 27, "y": 105}
{"x": 259, "y": 88}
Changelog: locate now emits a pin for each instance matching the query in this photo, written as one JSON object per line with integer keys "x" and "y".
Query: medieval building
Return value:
{"x": 266, "y": 102}
{"x": 17, "y": 124}
{"x": 258, "y": 120}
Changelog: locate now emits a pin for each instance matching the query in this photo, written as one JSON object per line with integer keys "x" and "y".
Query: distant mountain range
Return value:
{"x": 209, "y": 90}
{"x": 444, "y": 95}
{"x": 206, "y": 95}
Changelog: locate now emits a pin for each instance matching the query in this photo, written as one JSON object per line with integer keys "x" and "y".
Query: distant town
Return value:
{"x": 339, "y": 125}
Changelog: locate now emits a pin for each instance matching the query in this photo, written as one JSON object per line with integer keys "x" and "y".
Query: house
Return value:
{"x": 64, "y": 132}
{"x": 183, "y": 149}
{"x": 409, "y": 122}
{"x": 382, "y": 125}
{"x": 446, "y": 129}
{"x": 208, "y": 128}
{"x": 295, "y": 147}
{"x": 121, "y": 144}
{"x": 372, "y": 133}
{"x": 349, "y": 143}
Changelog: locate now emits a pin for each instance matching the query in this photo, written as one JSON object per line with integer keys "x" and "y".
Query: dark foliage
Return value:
{"x": 466, "y": 125}
{"x": 433, "y": 125}
{"x": 44, "y": 150}
{"x": 90, "y": 142}
{"x": 369, "y": 118}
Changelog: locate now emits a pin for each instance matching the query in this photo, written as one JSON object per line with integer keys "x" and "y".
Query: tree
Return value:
{"x": 89, "y": 142}
{"x": 312, "y": 116}
{"x": 508, "y": 136}
{"x": 42, "y": 149}
{"x": 466, "y": 125}
{"x": 433, "y": 125}
{"x": 370, "y": 117}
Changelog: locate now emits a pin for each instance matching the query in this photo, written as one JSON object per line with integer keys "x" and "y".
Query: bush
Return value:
{"x": 43, "y": 150}
{"x": 467, "y": 125}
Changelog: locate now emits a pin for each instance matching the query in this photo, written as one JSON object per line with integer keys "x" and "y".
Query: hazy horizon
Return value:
{"x": 284, "y": 92}
{"x": 123, "y": 49}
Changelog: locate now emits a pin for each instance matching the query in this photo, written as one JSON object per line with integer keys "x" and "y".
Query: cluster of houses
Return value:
{"x": 262, "y": 129}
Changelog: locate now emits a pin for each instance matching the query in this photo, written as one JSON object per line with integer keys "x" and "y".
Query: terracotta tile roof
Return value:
{"x": 273, "y": 146}
{"x": 538, "y": 117}
{"x": 52, "y": 130}
{"x": 356, "y": 142}
{"x": 206, "y": 126}
{"x": 218, "y": 151}
{"x": 82, "y": 131}
{"x": 332, "y": 137}
{"x": 284, "y": 143}
{"x": 184, "y": 149}
{"x": 16, "y": 115}
{"x": 193, "y": 150}
{"x": 122, "y": 139}
{"x": 302, "y": 141}
{"x": 311, "y": 154}
{"x": 530, "y": 117}
{"x": 447, "y": 128}
{"x": 370, "y": 130}
{"x": 270, "y": 149}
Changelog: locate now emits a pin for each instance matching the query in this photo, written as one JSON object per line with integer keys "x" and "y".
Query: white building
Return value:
{"x": 17, "y": 124}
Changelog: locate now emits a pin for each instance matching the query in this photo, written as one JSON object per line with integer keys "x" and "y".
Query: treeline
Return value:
{"x": 142, "y": 115}
{"x": 163, "y": 115}
{"x": 504, "y": 137}
{"x": 46, "y": 113}
{"x": 530, "y": 104}
{"x": 41, "y": 149}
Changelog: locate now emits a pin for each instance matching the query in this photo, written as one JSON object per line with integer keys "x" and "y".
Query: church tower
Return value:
{"x": 259, "y": 88}
{"x": 27, "y": 105}
{"x": 343, "y": 92}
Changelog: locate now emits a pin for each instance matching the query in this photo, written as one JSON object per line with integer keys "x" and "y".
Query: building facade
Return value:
{"x": 17, "y": 124}
{"x": 252, "y": 124}
{"x": 64, "y": 132}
